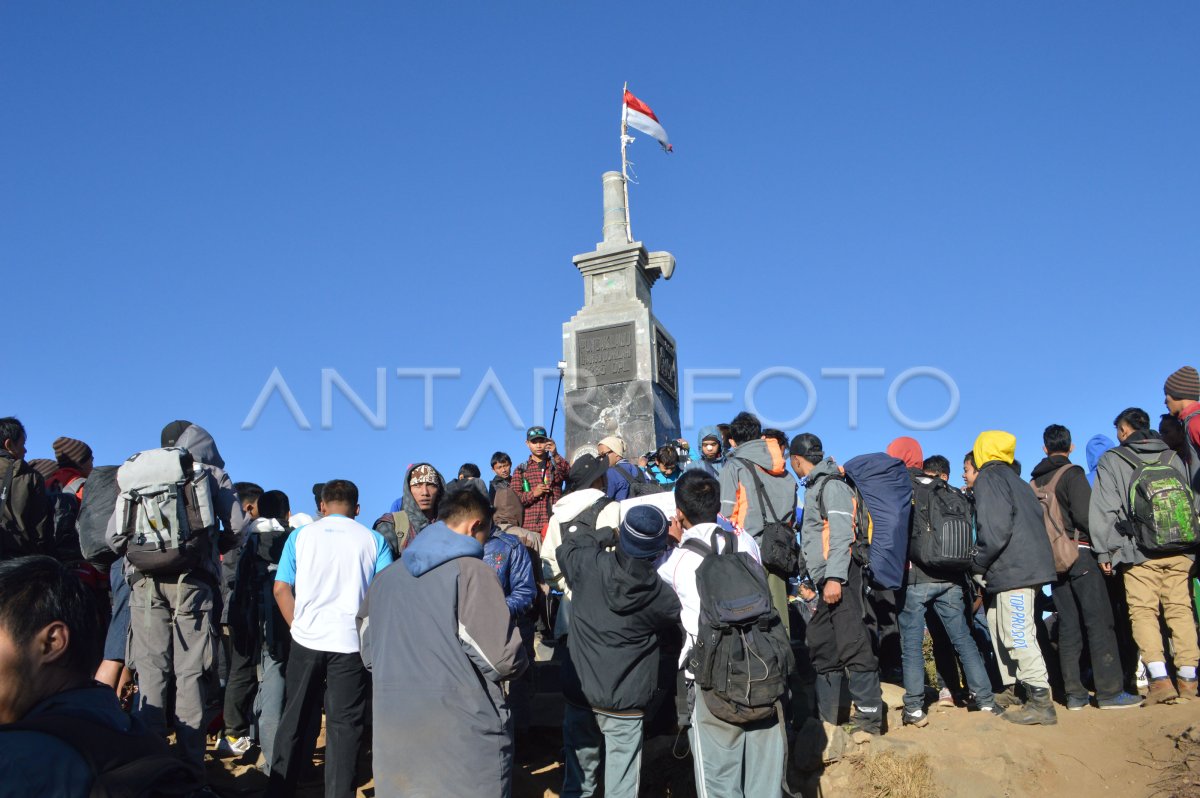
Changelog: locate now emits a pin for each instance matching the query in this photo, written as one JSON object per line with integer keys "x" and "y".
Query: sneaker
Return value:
{"x": 991, "y": 709}
{"x": 1161, "y": 692}
{"x": 945, "y": 698}
{"x": 1077, "y": 702}
{"x": 1120, "y": 701}
{"x": 1143, "y": 675}
{"x": 916, "y": 718}
{"x": 233, "y": 746}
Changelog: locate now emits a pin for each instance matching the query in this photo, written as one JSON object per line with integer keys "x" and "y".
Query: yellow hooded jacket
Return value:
{"x": 994, "y": 445}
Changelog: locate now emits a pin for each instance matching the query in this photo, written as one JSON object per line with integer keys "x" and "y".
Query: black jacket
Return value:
{"x": 1074, "y": 494}
{"x": 619, "y": 607}
{"x": 1013, "y": 550}
{"x": 26, "y": 526}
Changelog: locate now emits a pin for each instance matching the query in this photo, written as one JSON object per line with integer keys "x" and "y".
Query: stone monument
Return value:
{"x": 621, "y": 376}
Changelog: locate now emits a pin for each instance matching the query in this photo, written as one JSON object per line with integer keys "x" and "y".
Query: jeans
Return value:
{"x": 340, "y": 682}
{"x": 946, "y": 599}
{"x": 1081, "y": 599}
{"x": 591, "y": 737}
{"x": 268, "y": 703}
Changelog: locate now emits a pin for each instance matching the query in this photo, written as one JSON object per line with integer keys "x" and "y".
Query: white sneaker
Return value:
{"x": 1143, "y": 677}
{"x": 229, "y": 746}
{"x": 945, "y": 698}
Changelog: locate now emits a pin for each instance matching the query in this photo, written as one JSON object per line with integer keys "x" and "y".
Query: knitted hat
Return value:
{"x": 615, "y": 444}
{"x": 1184, "y": 384}
{"x": 47, "y": 468}
{"x": 71, "y": 452}
{"x": 644, "y": 532}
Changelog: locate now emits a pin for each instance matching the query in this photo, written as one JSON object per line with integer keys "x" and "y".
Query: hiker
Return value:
{"x": 324, "y": 572}
{"x": 711, "y": 450}
{"x": 757, "y": 492}
{"x": 413, "y": 511}
{"x": 837, "y": 637}
{"x": 239, "y": 636}
{"x": 1125, "y": 535}
{"x": 621, "y": 607}
{"x": 538, "y": 482}
{"x": 665, "y": 469}
{"x": 621, "y": 472}
{"x": 75, "y": 463}
{"x": 729, "y": 759}
{"x": 62, "y": 734}
{"x": 25, "y": 521}
{"x": 175, "y": 582}
{"x": 1013, "y": 556}
{"x": 585, "y": 506}
{"x": 439, "y": 643}
{"x": 504, "y": 501}
{"x": 1080, "y": 595}
{"x": 933, "y": 592}
{"x": 468, "y": 475}
{"x": 1181, "y": 395}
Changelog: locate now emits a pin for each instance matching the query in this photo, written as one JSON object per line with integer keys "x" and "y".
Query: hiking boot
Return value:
{"x": 1187, "y": 687}
{"x": 916, "y": 718}
{"x": 836, "y": 743}
{"x": 1037, "y": 711}
{"x": 945, "y": 697}
{"x": 1077, "y": 702}
{"x": 1007, "y": 698}
{"x": 1161, "y": 692}
{"x": 1120, "y": 701}
{"x": 233, "y": 746}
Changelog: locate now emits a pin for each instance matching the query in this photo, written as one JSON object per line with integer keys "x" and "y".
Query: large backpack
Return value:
{"x": 1064, "y": 546}
{"x": 883, "y": 507}
{"x": 1160, "y": 506}
{"x": 166, "y": 511}
{"x": 15, "y": 539}
{"x": 96, "y": 508}
{"x": 742, "y": 657}
{"x": 943, "y": 535}
{"x": 777, "y": 544}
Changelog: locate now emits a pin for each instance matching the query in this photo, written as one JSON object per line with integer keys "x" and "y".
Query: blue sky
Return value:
{"x": 192, "y": 195}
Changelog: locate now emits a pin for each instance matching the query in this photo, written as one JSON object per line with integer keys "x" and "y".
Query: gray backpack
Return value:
{"x": 166, "y": 511}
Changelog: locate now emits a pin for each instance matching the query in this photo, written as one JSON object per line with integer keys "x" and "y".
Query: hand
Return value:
{"x": 675, "y": 530}
{"x": 832, "y": 592}
{"x": 540, "y": 490}
{"x": 551, "y": 447}
{"x": 1106, "y": 567}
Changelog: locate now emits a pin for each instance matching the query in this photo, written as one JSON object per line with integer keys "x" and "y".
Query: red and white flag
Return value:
{"x": 639, "y": 117}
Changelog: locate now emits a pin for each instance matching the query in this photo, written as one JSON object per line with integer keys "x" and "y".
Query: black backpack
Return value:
{"x": 99, "y": 499}
{"x": 124, "y": 764}
{"x": 778, "y": 545}
{"x": 586, "y": 520}
{"x": 943, "y": 537}
{"x": 742, "y": 656}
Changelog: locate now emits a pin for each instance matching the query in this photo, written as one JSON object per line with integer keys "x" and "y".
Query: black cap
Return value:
{"x": 533, "y": 433}
{"x": 586, "y": 469}
{"x": 806, "y": 445}
{"x": 172, "y": 431}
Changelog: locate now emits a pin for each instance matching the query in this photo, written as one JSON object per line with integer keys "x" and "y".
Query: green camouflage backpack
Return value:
{"x": 1162, "y": 514}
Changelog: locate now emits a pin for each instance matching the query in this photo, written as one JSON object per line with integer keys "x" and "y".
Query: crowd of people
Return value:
{"x": 732, "y": 596}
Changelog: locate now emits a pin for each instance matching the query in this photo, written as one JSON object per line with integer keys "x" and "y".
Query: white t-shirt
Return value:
{"x": 330, "y": 563}
{"x": 679, "y": 571}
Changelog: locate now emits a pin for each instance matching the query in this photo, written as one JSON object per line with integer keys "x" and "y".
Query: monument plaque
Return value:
{"x": 664, "y": 358}
{"x": 607, "y": 354}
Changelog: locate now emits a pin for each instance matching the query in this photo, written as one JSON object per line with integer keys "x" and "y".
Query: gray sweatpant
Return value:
{"x": 1010, "y": 617}
{"x": 171, "y": 642}
{"x": 736, "y": 761}
{"x": 591, "y": 737}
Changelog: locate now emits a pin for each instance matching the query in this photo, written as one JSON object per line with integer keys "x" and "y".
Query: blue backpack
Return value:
{"x": 886, "y": 489}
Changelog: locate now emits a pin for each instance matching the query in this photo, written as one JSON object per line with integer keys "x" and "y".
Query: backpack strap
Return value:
{"x": 697, "y": 546}
{"x": 592, "y": 513}
{"x": 1052, "y": 486}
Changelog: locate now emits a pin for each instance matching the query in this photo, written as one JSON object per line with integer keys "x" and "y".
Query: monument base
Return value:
{"x": 640, "y": 412}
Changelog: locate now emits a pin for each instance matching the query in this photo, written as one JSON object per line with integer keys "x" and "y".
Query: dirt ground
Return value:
{"x": 1131, "y": 753}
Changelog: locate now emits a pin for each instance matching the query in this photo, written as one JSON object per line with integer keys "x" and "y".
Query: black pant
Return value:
{"x": 838, "y": 641}
{"x": 1081, "y": 599}
{"x": 244, "y": 647}
{"x": 340, "y": 682}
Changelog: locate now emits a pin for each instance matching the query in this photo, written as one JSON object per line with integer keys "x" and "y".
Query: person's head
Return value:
{"x": 937, "y": 466}
{"x": 50, "y": 640}
{"x": 643, "y": 533}
{"x": 249, "y": 494}
{"x": 71, "y": 453}
{"x": 611, "y": 449}
{"x": 907, "y": 450}
{"x": 667, "y": 458}
{"x": 1170, "y": 429}
{"x": 588, "y": 471}
{"x": 537, "y": 441}
{"x": 12, "y": 436}
{"x": 275, "y": 504}
{"x": 970, "y": 470}
{"x": 339, "y": 497}
{"x": 1056, "y": 439}
{"x": 467, "y": 512}
{"x": 425, "y": 485}
{"x": 697, "y": 498}
{"x": 172, "y": 432}
{"x": 745, "y": 427}
{"x": 502, "y": 465}
{"x": 468, "y": 471}
{"x": 779, "y": 436}
{"x": 1131, "y": 420}
{"x": 1181, "y": 389}
{"x": 806, "y": 451}
{"x": 318, "y": 489}
{"x": 710, "y": 446}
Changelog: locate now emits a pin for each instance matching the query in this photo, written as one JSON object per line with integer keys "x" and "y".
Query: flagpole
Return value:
{"x": 624, "y": 160}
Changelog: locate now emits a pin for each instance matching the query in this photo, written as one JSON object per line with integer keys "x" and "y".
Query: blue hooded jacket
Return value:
{"x": 712, "y": 467}
{"x": 508, "y": 556}
{"x": 1096, "y": 446}
{"x": 438, "y": 544}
